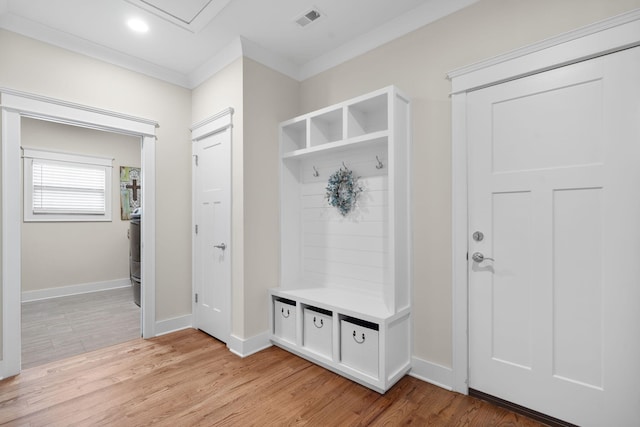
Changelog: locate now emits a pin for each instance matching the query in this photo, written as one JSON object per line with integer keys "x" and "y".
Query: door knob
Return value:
{"x": 220, "y": 246}
{"x": 479, "y": 257}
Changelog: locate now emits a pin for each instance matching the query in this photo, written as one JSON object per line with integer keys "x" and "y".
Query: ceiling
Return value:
{"x": 189, "y": 40}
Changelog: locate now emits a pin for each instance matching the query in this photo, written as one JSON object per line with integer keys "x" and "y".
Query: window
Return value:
{"x": 66, "y": 187}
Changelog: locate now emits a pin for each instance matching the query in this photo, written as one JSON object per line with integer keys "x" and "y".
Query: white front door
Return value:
{"x": 554, "y": 188}
{"x": 212, "y": 255}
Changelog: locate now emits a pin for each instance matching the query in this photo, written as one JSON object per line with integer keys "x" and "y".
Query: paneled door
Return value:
{"x": 212, "y": 217}
{"x": 554, "y": 244}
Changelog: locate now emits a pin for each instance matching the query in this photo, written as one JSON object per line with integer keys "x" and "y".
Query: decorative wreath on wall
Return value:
{"x": 343, "y": 190}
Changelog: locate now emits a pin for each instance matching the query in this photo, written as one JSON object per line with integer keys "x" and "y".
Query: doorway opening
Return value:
{"x": 17, "y": 106}
{"x": 77, "y": 295}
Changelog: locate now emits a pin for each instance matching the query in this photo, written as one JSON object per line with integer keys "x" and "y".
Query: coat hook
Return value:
{"x": 379, "y": 165}
{"x": 315, "y": 172}
{"x": 345, "y": 166}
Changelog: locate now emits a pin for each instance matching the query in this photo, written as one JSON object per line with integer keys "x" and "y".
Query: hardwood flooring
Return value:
{"x": 188, "y": 378}
{"x": 58, "y": 328}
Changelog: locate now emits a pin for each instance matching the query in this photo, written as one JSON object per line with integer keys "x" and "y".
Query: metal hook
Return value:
{"x": 345, "y": 166}
{"x": 379, "y": 165}
{"x": 315, "y": 172}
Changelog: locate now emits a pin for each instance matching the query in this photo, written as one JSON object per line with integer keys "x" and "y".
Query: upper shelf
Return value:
{"x": 360, "y": 120}
{"x": 326, "y": 128}
{"x": 368, "y": 116}
{"x": 294, "y": 135}
{"x": 368, "y": 139}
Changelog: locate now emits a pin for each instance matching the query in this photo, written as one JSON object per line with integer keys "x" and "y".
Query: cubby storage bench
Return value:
{"x": 344, "y": 300}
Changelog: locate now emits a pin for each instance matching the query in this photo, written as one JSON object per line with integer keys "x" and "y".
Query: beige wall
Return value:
{"x": 36, "y": 67}
{"x": 418, "y": 63}
{"x": 58, "y": 254}
{"x": 269, "y": 98}
{"x": 261, "y": 99}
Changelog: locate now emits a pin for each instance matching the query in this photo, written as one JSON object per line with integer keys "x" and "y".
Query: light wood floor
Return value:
{"x": 54, "y": 329}
{"x": 190, "y": 379}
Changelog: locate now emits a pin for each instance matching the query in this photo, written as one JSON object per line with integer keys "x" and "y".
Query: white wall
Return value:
{"x": 418, "y": 63}
{"x": 56, "y": 254}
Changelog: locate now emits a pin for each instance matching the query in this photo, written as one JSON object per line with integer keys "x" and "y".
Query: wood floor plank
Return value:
{"x": 126, "y": 393}
{"x": 57, "y": 328}
{"x": 190, "y": 379}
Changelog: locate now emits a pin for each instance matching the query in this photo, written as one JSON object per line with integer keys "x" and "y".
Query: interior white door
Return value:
{"x": 554, "y": 187}
{"x": 212, "y": 255}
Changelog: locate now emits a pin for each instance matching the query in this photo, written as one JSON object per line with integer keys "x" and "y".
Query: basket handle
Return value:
{"x": 355, "y": 338}
{"x": 316, "y": 325}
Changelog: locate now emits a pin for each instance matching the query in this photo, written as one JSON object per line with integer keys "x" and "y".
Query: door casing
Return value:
{"x": 615, "y": 34}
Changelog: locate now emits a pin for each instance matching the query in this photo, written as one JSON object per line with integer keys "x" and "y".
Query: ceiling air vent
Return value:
{"x": 308, "y": 17}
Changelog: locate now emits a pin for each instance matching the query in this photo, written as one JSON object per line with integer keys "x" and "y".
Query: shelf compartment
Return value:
{"x": 294, "y": 136}
{"x": 326, "y": 128}
{"x": 368, "y": 116}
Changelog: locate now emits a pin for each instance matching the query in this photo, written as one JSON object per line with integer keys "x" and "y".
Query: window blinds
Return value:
{"x": 68, "y": 188}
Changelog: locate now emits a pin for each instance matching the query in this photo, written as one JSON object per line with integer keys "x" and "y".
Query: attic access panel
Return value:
{"x": 192, "y": 15}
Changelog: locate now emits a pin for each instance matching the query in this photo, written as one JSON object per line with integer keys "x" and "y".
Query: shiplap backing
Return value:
{"x": 351, "y": 251}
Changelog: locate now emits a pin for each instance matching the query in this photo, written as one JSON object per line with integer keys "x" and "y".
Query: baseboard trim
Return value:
{"x": 432, "y": 373}
{"x": 82, "y": 288}
{"x": 163, "y": 327}
{"x": 246, "y": 347}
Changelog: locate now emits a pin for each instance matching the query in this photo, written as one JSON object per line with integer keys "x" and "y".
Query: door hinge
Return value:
{"x": 196, "y": 298}
{"x": 196, "y": 229}
{"x": 195, "y": 159}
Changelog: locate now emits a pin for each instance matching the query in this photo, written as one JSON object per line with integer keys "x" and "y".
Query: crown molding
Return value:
{"x": 27, "y": 28}
{"x": 430, "y": 11}
{"x": 272, "y": 60}
{"x": 234, "y": 50}
{"x": 423, "y": 15}
{"x": 221, "y": 59}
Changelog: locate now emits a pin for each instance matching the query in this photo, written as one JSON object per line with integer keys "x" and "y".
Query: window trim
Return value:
{"x": 30, "y": 154}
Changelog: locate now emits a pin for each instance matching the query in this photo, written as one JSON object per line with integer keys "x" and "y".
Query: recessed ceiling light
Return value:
{"x": 138, "y": 25}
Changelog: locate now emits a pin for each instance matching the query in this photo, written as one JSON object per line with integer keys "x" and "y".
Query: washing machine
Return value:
{"x": 134, "y": 254}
